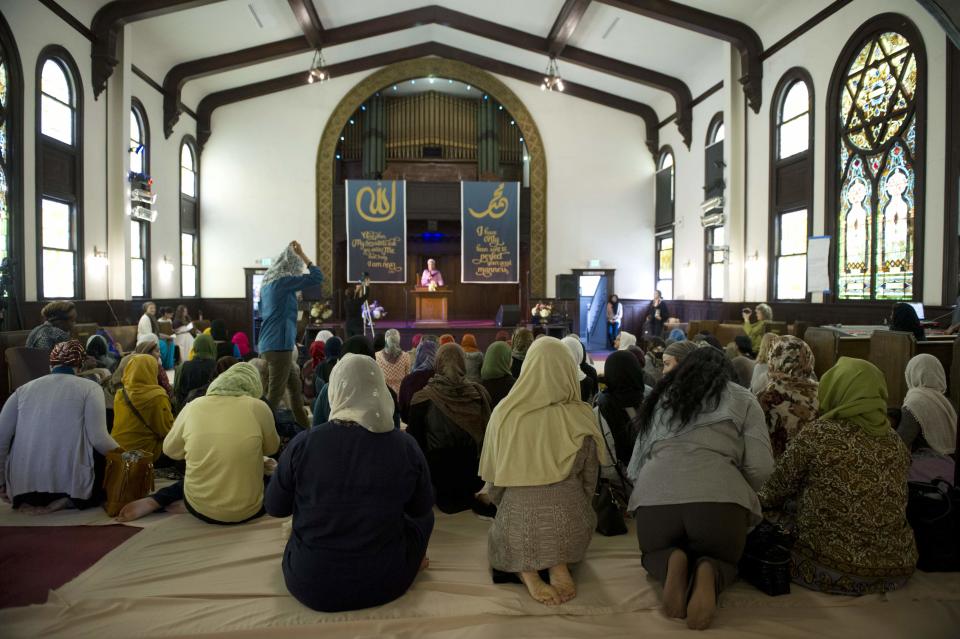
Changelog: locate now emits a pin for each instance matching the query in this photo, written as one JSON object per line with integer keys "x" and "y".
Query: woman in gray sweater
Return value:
{"x": 702, "y": 453}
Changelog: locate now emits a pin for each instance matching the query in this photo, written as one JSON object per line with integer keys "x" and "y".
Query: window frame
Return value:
{"x": 657, "y": 279}
{"x": 661, "y": 157}
{"x": 708, "y": 241}
{"x": 715, "y": 123}
{"x": 75, "y": 199}
{"x": 777, "y": 210}
{"x": 867, "y": 31}
{"x": 14, "y": 165}
{"x": 191, "y": 143}
{"x": 140, "y": 113}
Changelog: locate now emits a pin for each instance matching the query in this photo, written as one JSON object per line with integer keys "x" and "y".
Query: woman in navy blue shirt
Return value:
{"x": 278, "y": 332}
{"x": 361, "y": 498}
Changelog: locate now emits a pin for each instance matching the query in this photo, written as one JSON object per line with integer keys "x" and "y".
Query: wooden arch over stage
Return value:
{"x": 453, "y": 70}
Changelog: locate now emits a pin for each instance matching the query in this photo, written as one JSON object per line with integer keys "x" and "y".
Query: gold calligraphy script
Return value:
{"x": 382, "y": 206}
{"x": 497, "y": 207}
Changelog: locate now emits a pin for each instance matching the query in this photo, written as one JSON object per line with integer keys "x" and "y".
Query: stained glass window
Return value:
{"x": 4, "y": 155}
{"x": 665, "y": 265}
{"x": 877, "y": 150}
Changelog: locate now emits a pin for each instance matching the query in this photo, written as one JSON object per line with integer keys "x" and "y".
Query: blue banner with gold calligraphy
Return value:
{"x": 490, "y": 235}
{"x": 377, "y": 230}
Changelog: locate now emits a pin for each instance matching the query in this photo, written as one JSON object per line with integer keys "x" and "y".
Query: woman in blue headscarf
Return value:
{"x": 423, "y": 370}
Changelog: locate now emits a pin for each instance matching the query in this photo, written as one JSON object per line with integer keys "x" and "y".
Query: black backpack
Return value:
{"x": 933, "y": 510}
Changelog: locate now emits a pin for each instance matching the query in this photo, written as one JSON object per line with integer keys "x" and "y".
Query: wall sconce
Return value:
{"x": 166, "y": 267}
{"x": 98, "y": 259}
{"x": 753, "y": 261}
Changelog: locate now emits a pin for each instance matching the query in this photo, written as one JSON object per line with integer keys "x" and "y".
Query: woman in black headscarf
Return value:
{"x": 331, "y": 352}
{"x": 905, "y": 319}
{"x": 225, "y": 348}
{"x": 620, "y": 402}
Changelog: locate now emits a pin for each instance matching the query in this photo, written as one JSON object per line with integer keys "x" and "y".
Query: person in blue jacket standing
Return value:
{"x": 278, "y": 332}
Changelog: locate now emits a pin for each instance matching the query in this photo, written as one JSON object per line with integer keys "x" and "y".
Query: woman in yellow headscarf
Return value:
{"x": 541, "y": 454}
{"x": 848, "y": 471}
{"x": 141, "y": 409}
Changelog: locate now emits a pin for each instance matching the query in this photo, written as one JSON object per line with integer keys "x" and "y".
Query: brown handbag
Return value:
{"x": 128, "y": 476}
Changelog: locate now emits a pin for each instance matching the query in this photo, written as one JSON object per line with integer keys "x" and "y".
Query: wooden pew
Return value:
{"x": 824, "y": 343}
{"x": 698, "y": 326}
{"x": 892, "y": 350}
{"x": 725, "y": 333}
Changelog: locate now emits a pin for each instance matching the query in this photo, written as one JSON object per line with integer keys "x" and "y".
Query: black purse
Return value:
{"x": 933, "y": 510}
{"x": 607, "y": 504}
{"x": 765, "y": 563}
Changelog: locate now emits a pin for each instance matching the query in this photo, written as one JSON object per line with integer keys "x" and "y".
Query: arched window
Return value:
{"x": 189, "y": 219}
{"x": 139, "y": 149}
{"x": 59, "y": 175}
{"x": 791, "y": 183}
{"x": 876, "y": 165}
{"x": 11, "y": 169}
{"x": 715, "y": 242}
{"x": 666, "y": 188}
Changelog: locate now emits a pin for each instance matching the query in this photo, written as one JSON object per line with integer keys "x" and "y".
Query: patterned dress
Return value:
{"x": 851, "y": 525}
{"x": 395, "y": 371}
{"x": 538, "y": 527}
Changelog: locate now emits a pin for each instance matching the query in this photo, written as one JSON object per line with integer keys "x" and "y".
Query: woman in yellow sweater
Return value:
{"x": 223, "y": 436}
{"x": 756, "y": 329}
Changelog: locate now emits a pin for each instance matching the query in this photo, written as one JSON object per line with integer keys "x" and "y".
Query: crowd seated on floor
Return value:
{"x": 358, "y": 441}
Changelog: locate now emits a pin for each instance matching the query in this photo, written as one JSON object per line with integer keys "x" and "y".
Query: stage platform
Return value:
{"x": 484, "y": 330}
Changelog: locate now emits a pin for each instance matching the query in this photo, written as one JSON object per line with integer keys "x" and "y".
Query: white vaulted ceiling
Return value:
{"x": 698, "y": 60}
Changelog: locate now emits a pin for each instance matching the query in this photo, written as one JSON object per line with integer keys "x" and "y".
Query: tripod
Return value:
{"x": 367, "y": 315}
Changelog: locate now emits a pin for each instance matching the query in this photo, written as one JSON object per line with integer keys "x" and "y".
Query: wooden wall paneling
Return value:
{"x": 890, "y": 351}
{"x": 823, "y": 342}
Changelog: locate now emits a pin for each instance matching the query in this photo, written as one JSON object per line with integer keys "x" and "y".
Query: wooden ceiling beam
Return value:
{"x": 306, "y": 15}
{"x": 229, "y": 96}
{"x": 566, "y": 23}
{"x": 178, "y": 76}
{"x": 737, "y": 33}
{"x": 108, "y": 24}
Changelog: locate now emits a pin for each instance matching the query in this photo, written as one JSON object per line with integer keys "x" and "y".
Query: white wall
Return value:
{"x": 34, "y": 27}
{"x": 259, "y": 184}
{"x": 817, "y": 51}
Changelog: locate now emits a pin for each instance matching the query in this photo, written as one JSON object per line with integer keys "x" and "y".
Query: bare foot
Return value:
{"x": 137, "y": 509}
{"x": 424, "y": 564}
{"x": 675, "y": 587}
{"x": 562, "y": 581}
{"x": 55, "y": 505}
{"x": 703, "y": 601}
{"x": 177, "y": 508}
{"x": 539, "y": 590}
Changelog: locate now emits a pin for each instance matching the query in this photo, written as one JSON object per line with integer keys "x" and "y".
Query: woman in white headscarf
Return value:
{"x": 541, "y": 454}
{"x": 586, "y": 374}
{"x": 928, "y": 424}
{"x": 625, "y": 340}
{"x": 360, "y": 494}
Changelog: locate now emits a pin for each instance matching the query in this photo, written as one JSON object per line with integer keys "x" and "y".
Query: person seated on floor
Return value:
{"x": 789, "y": 401}
{"x": 197, "y": 372}
{"x": 677, "y": 335}
{"x": 586, "y": 374}
{"x": 653, "y": 359}
{"x": 358, "y": 345}
{"x": 423, "y": 370}
{"x": 225, "y": 347}
{"x": 502, "y": 336}
{"x": 59, "y": 319}
{"x": 223, "y": 436}
{"x": 223, "y": 365}
{"x": 759, "y": 379}
{"x": 98, "y": 350}
{"x": 447, "y": 338}
{"x": 51, "y": 450}
{"x": 522, "y": 339}
{"x": 848, "y": 470}
{"x": 495, "y": 374}
{"x": 904, "y": 318}
{"x": 758, "y": 327}
{"x": 702, "y": 452}
{"x": 393, "y": 360}
{"x": 928, "y": 422}
{"x": 740, "y": 354}
{"x": 675, "y": 353}
{"x": 448, "y": 418}
{"x": 142, "y": 416}
{"x": 332, "y": 349}
{"x": 242, "y": 343}
{"x": 308, "y": 371}
{"x": 625, "y": 340}
{"x": 473, "y": 355}
{"x": 541, "y": 456}
{"x": 616, "y": 406}
{"x": 361, "y": 498}
{"x": 149, "y": 345}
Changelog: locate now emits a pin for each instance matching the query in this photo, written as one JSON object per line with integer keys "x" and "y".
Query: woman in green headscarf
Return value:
{"x": 848, "y": 473}
{"x": 197, "y": 372}
{"x": 495, "y": 373}
{"x": 223, "y": 436}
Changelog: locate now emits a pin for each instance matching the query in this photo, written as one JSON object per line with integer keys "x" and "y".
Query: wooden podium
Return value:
{"x": 431, "y": 305}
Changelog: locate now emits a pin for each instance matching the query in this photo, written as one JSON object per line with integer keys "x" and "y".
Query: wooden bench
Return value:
{"x": 890, "y": 351}
{"x": 698, "y": 326}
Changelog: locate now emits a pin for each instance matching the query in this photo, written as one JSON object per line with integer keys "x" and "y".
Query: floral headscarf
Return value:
{"x": 69, "y": 353}
{"x": 790, "y": 399}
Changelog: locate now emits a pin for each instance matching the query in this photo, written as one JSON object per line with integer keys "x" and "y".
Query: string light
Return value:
{"x": 552, "y": 80}
{"x": 318, "y": 69}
